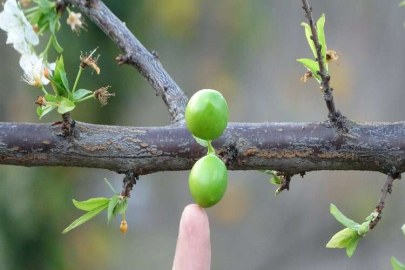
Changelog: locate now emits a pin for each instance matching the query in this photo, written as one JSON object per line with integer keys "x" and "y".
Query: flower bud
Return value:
{"x": 124, "y": 226}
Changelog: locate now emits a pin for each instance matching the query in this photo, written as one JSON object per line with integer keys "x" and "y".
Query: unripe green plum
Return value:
{"x": 208, "y": 181}
{"x": 207, "y": 114}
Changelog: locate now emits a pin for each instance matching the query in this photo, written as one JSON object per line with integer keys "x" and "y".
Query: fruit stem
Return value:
{"x": 211, "y": 150}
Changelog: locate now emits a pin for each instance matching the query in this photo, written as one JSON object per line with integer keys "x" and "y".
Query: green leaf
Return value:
{"x": 343, "y": 219}
{"x": 81, "y": 93}
{"x": 320, "y": 28}
{"x": 364, "y": 228}
{"x": 57, "y": 87}
{"x": 111, "y": 206}
{"x": 56, "y": 44}
{"x": 201, "y": 142}
{"x": 51, "y": 98}
{"x": 403, "y": 228}
{"x": 275, "y": 181}
{"x": 66, "y": 106}
{"x": 111, "y": 187}
{"x": 86, "y": 217}
{"x": 65, "y": 81}
{"x": 91, "y": 204}
{"x": 402, "y": 4}
{"x": 124, "y": 206}
{"x": 60, "y": 67}
{"x": 352, "y": 245}
{"x": 311, "y": 65}
{"x": 308, "y": 34}
{"x": 342, "y": 238}
{"x": 396, "y": 265}
{"x": 42, "y": 111}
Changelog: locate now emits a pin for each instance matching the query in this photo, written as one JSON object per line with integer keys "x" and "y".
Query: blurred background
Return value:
{"x": 246, "y": 50}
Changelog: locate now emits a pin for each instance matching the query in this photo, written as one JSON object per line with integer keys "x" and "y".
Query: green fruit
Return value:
{"x": 208, "y": 180}
{"x": 207, "y": 114}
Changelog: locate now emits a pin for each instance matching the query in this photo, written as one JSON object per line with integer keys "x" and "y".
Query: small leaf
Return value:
{"x": 311, "y": 65}
{"x": 56, "y": 44}
{"x": 201, "y": 142}
{"x": 364, "y": 228}
{"x": 124, "y": 206}
{"x": 60, "y": 67}
{"x": 86, "y": 217}
{"x": 111, "y": 206}
{"x": 66, "y": 106}
{"x": 320, "y": 26}
{"x": 343, "y": 219}
{"x": 308, "y": 34}
{"x": 91, "y": 204}
{"x": 111, "y": 187}
{"x": 352, "y": 245}
{"x": 42, "y": 111}
{"x": 65, "y": 81}
{"x": 275, "y": 181}
{"x": 57, "y": 88}
{"x": 396, "y": 265}
{"x": 403, "y": 228}
{"x": 81, "y": 93}
{"x": 51, "y": 98}
{"x": 341, "y": 239}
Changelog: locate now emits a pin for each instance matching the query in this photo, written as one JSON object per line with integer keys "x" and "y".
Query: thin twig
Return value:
{"x": 334, "y": 115}
{"x": 386, "y": 189}
{"x": 136, "y": 54}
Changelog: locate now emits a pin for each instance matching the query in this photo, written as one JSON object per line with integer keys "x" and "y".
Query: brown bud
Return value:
{"x": 41, "y": 101}
{"x": 46, "y": 73}
{"x": 124, "y": 226}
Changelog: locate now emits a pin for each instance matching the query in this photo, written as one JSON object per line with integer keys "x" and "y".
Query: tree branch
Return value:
{"x": 386, "y": 189}
{"x": 291, "y": 148}
{"x": 334, "y": 115}
{"x": 137, "y": 55}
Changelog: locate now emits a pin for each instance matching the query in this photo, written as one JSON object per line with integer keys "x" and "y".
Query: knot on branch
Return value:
{"x": 67, "y": 125}
{"x": 61, "y": 6}
{"x": 123, "y": 59}
{"x": 128, "y": 183}
{"x": 90, "y": 4}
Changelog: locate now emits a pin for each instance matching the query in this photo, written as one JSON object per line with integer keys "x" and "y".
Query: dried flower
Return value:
{"x": 19, "y": 31}
{"x": 75, "y": 21}
{"x": 103, "y": 95}
{"x": 307, "y": 75}
{"x": 41, "y": 101}
{"x": 331, "y": 56}
{"x": 89, "y": 61}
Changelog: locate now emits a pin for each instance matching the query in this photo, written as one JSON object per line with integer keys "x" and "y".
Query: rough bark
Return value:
{"x": 289, "y": 147}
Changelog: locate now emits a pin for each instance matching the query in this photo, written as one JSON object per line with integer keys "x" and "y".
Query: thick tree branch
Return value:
{"x": 137, "y": 55}
{"x": 334, "y": 115}
{"x": 291, "y": 148}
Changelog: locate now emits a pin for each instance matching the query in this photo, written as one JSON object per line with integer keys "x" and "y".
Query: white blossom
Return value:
{"x": 34, "y": 69}
{"x": 19, "y": 31}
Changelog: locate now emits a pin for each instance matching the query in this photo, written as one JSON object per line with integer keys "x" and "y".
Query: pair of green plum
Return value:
{"x": 207, "y": 118}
